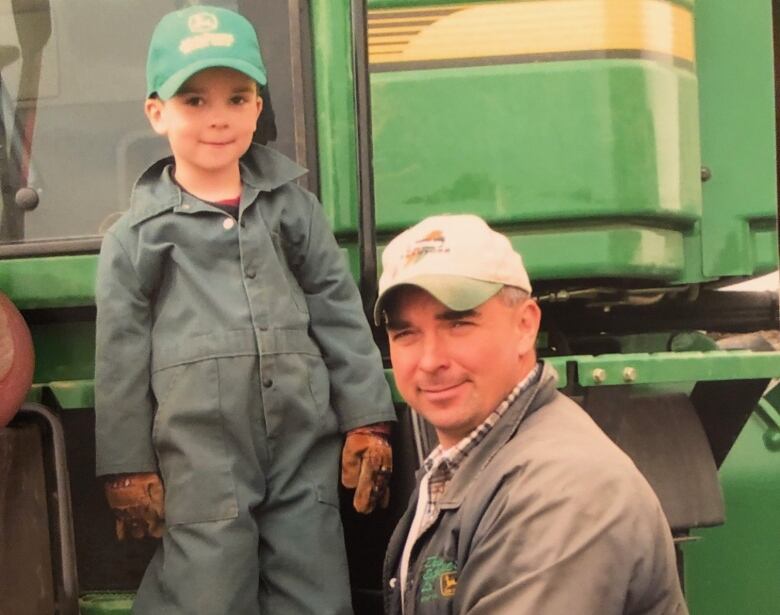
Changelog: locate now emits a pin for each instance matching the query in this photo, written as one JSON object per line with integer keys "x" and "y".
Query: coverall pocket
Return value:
{"x": 319, "y": 382}
{"x": 189, "y": 439}
{"x": 283, "y": 250}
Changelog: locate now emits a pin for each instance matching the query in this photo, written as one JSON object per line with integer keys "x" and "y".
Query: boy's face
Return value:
{"x": 209, "y": 122}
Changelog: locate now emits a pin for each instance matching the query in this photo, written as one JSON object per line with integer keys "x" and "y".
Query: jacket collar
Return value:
{"x": 262, "y": 170}
{"x": 528, "y": 402}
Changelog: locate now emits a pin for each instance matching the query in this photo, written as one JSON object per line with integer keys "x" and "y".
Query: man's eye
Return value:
{"x": 400, "y": 334}
{"x": 460, "y": 324}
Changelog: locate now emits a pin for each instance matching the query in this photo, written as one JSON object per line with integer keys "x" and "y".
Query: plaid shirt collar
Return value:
{"x": 441, "y": 464}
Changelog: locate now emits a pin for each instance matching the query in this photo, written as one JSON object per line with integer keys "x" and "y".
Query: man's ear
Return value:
{"x": 529, "y": 317}
{"x": 153, "y": 108}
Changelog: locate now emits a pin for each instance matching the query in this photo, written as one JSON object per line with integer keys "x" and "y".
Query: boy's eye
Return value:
{"x": 193, "y": 101}
{"x": 238, "y": 100}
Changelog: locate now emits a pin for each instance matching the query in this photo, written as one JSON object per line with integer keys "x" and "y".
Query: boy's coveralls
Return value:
{"x": 232, "y": 355}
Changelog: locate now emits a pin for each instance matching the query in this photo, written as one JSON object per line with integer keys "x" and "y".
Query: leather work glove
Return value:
{"x": 366, "y": 466}
{"x": 138, "y": 504}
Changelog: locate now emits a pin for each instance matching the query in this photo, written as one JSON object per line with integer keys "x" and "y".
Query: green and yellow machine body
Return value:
{"x": 627, "y": 148}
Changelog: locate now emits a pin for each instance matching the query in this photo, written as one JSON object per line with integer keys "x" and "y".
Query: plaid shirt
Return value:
{"x": 442, "y": 464}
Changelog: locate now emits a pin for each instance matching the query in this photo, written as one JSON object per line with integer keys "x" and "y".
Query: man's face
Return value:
{"x": 454, "y": 368}
{"x": 209, "y": 122}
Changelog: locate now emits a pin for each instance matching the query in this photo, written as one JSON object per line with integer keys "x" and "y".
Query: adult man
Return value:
{"x": 526, "y": 507}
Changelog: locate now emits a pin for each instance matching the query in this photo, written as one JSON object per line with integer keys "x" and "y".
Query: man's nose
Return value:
{"x": 434, "y": 354}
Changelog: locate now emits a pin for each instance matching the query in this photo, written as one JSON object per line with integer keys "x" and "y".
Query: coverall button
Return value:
{"x": 228, "y": 223}
{"x": 267, "y": 382}
{"x": 393, "y": 582}
{"x": 251, "y": 273}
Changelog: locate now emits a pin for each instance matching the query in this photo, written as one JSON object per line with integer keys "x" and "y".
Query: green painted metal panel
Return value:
{"x": 106, "y": 603}
{"x": 736, "y": 89}
{"x": 336, "y": 132}
{"x": 770, "y": 415}
{"x": 47, "y": 282}
{"x": 74, "y": 394}
{"x": 667, "y": 367}
{"x": 64, "y": 351}
{"x": 733, "y": 569}
{"x": 70, "y": 395}
{"x": 595, "y": 145}
{"x": 611, "y": 251}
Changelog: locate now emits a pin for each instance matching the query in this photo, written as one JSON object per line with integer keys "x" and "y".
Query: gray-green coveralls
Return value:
{"x": 231, "y": 357}
{"x": 546, "y": 516}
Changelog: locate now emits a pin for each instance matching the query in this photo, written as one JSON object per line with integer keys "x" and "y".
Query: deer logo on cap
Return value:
{"x": 202, "y": 22}
{"x": 203, "y": 25}
{"x": 432, "y": 242}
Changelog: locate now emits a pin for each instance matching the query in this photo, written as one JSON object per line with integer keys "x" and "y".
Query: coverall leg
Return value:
{"x": 275, "y": 466}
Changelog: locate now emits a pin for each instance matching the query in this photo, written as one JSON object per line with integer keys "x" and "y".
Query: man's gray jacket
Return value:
{"x": 546, "y": 516}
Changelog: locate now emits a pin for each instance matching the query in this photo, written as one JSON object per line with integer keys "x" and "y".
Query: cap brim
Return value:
{"x": 175, "y": 81}
{"x": 456, "y": 292}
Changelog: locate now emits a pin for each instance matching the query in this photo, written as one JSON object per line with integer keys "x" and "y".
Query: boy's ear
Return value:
{"x": 153, "y": 108}
{"x": 259, "y": 105}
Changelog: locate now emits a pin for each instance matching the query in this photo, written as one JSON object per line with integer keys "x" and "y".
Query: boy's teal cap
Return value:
{"x": 196, "y": 38}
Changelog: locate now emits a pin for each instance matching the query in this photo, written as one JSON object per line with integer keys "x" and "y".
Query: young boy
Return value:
{"x": 232, "y": 352}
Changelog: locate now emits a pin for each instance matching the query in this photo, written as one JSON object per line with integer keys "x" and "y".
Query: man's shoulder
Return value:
{"x": 560, "y": 463}
{"x": 560, "y": 441}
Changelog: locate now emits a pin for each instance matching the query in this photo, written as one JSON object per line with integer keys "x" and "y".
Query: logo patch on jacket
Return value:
{"x": 439, "y": 579}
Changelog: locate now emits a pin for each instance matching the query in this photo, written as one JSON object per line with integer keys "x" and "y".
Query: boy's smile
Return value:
{"x": 209, "y": 124}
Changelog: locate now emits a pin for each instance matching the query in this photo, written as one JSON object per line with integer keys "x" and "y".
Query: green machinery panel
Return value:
{"x": 574, "y": 121}
{"x": 736, "y": 91}
{"x": 599, "y": 158}
{"x": 732, "y": 570}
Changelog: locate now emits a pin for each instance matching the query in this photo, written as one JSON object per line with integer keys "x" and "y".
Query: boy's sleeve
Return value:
{"x": 360, "y": 394}
{"x": 123, "y": 400}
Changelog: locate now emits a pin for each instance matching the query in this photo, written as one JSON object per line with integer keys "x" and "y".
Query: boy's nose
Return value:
{"x": 218, "y": 118}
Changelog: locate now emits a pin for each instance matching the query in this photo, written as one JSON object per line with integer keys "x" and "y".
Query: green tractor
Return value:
{"x": 627, "y": 148}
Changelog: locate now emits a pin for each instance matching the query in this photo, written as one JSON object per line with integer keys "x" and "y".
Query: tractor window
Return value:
{"x": 73, "y": 136}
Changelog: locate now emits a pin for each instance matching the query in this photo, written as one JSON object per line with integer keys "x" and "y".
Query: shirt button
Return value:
{"x": 393, "y": 583}
{"x": 228, "y": 223}
{"x": 251, "y": 273}
{"x": 267, "y": 382}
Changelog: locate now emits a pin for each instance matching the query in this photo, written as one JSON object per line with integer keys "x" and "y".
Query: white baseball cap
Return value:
{"x": 458, "y": 259}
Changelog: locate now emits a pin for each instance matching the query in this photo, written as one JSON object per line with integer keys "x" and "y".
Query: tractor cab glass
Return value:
{"x": 73, "y": 136}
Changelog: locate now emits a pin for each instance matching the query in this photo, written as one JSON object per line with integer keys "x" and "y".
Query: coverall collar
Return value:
{"x": 262, "y": 170}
